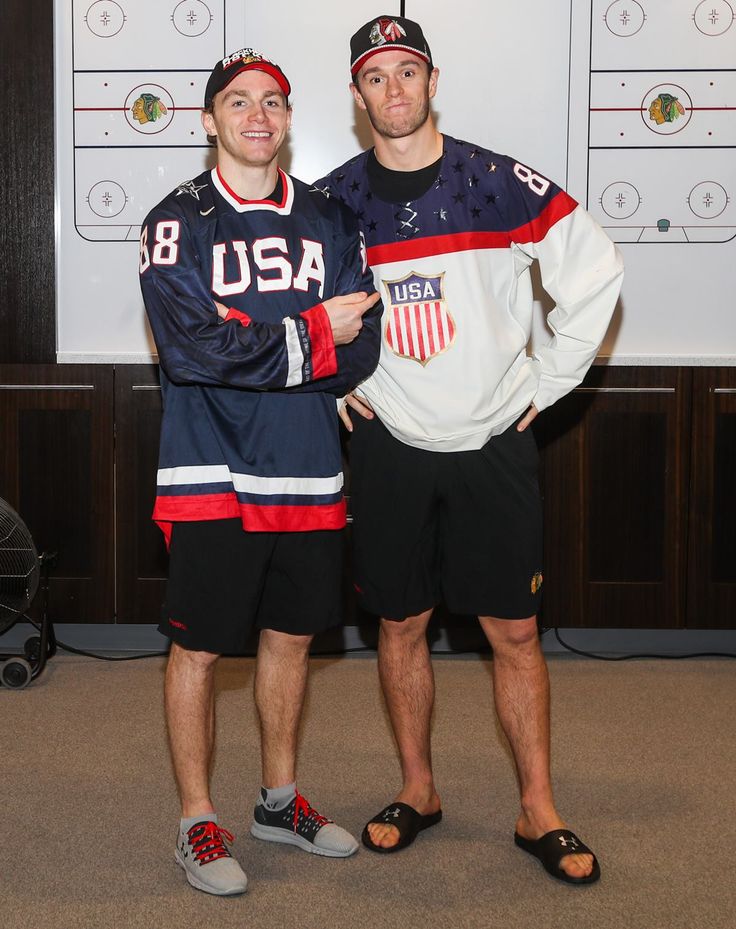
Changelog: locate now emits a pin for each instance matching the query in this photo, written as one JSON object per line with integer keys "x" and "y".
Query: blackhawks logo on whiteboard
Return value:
{"x": 418, "y": 324}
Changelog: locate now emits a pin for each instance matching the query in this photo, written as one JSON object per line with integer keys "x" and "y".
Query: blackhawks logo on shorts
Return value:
{"x": 418, "y": 324}
{"x": 536, "y": 584}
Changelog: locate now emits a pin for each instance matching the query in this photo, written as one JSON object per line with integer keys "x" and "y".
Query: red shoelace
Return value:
{"x": 208, "y": 844}
{"x": 302, "y": 806}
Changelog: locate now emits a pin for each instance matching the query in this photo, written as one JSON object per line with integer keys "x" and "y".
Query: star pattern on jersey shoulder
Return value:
{"x": 189, "y": 187}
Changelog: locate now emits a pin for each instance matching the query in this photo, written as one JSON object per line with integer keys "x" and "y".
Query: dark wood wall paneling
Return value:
{"x": 27, "y": 293}
{"x": 637, "y": 476}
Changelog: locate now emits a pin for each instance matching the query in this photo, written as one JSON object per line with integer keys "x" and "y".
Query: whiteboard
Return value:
{"x": 564, "y": 86}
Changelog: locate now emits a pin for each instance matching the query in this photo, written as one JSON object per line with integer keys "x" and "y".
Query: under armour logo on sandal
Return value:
{"x": 395, "y": 812}
{"x": 570, "y": 840}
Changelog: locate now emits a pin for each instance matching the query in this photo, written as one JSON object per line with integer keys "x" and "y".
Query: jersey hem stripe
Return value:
{"x": 255, "y": 518}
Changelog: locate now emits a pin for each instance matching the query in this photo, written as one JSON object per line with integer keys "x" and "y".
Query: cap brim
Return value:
{"x": 395, "y": 46}
{"x": 264, "y": 66}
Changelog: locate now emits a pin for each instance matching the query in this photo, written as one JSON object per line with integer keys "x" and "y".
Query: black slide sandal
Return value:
{"x": 406, "y": 819}
{"x": 551, "y": 848}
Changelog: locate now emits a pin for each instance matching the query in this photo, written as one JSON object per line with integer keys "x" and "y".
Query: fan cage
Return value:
{"x": 19, "y": 566}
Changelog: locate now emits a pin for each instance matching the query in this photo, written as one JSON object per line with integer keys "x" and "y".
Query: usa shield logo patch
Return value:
{"x": 419, "y": 325}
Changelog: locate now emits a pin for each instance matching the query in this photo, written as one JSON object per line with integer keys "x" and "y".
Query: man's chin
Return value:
{"x": 399, "y": 129}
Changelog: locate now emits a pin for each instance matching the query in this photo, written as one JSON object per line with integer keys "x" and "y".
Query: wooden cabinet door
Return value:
{"x": 711, "y": 602}
{"x": 614, "y": 479}
{"x": 56, "y": 471}
{"x": 141, "y": 552}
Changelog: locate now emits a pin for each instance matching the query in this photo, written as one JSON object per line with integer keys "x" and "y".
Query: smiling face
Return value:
{"x": 250, "y": 119}
{"x": 394, "y": 88}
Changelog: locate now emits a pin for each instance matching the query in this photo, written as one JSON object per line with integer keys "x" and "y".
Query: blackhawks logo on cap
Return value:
{"x": 386, "y": 30}
{"x": 244, "y": 56}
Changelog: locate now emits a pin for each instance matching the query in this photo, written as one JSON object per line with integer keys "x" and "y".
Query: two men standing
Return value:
{"x": 260, "y": 307}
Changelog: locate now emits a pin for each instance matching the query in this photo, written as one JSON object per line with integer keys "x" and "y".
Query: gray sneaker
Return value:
{"x": 208, "y": 864}
{"x": 301, "y": 825}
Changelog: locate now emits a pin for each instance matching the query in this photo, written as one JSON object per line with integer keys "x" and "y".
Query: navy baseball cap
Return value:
{"x": 384, "y": 34}
{"x": 245, "y": 59}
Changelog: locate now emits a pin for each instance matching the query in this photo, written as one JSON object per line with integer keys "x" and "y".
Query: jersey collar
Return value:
{"x": 247, "y": 206}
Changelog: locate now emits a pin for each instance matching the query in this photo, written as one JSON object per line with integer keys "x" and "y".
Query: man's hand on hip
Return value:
{"x": 531, "y": 414}
{"x": 359, "y": 404}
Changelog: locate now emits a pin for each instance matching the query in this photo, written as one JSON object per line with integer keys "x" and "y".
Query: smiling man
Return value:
{"x": 444, "y": 467}
{"x": 262, "y": 310}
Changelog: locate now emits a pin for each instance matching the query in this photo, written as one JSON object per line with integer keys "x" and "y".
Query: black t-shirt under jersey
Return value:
{"x": 400, "y": 186}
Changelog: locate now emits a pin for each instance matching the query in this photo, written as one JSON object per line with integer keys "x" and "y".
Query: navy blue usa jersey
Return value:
{"x": 250, "y": 425}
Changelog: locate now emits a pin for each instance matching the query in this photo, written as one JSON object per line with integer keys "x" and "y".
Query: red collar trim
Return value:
{"x": 239, "y": 199}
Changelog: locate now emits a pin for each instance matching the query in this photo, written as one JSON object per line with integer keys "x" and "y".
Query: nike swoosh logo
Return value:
{"x": 206, "y": 212}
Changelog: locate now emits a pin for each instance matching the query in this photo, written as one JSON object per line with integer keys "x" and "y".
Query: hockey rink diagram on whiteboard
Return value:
{"x": 131, "y": 98}
{"x": 652, "y": 119}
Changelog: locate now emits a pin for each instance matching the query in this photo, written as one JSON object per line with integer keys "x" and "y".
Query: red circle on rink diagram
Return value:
{"x": 105, "y": 18}
{"x": 625, "y": 18}
{"x": 713, "y": 17}
{"x": 191, "y": 18}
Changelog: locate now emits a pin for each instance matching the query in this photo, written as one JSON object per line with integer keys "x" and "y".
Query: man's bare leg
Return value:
{"x": 189, "y": 699}
{"x": 405, "y": 670}
{"x": 521, "y": 692}
{"x": 280, "y": 686}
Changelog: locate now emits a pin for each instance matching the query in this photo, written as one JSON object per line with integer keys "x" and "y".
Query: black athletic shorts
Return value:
{"x": 465, "y": 527}
{"x": 224, "y": 581}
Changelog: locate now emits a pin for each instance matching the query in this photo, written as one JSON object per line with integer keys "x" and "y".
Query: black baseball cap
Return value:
{"x": 384, "y": 34}
{"x": 245, "y": 59}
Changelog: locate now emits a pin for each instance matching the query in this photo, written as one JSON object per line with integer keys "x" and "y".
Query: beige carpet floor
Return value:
{"x": 644, "y": 766}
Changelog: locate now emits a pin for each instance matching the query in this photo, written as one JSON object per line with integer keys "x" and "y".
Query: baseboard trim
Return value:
{"x": 465, "y": 638}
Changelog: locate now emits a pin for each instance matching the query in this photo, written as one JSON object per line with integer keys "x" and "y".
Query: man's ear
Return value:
{"x": 357, "y": 96}
{"x": 208, "y": 123}
{"x": 433, "y": 77}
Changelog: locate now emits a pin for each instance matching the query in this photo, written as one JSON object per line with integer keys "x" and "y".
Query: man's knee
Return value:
{"x": 284, "y": 643}
{"x": 190, "y": 658}
{"x": 511, "y": 634}
{"x": 407, "y": 631}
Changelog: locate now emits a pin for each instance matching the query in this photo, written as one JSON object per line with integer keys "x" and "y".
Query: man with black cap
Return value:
{"x": 443, "y": 464}
{"x": 263, "y": 310}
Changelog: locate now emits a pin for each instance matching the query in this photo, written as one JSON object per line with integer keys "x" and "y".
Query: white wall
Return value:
{"x": 513, "y": 77}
